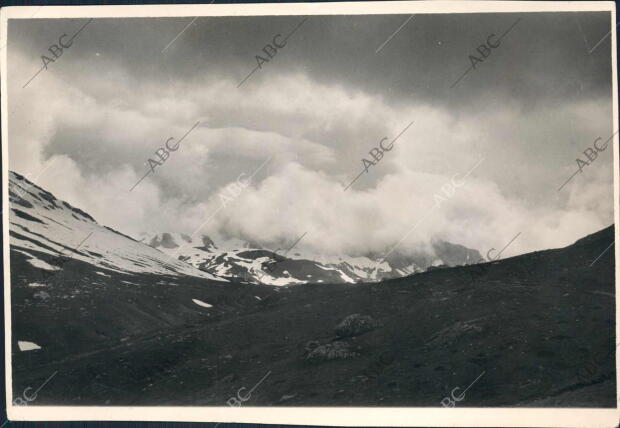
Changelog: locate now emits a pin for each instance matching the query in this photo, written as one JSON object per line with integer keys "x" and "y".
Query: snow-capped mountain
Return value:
{"x": 41, "y": 224}
{"x": 241, "y": 260}
{"x": 238, "y": 259}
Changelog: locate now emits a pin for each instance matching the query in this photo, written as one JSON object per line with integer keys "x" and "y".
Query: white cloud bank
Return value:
{"x": 95, "y": 144}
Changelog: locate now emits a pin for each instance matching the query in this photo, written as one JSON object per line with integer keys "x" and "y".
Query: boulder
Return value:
{"x": 331, "y": 351}
{"x": 356, "y": 324}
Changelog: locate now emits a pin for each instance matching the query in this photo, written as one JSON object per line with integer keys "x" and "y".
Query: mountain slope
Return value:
{"x": 525, "y": 327}
{"x": 41, "y": 226}
{"x": 78, "y": 285}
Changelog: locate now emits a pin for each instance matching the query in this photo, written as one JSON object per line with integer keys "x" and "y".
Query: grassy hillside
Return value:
{"x": 529, "y": 323}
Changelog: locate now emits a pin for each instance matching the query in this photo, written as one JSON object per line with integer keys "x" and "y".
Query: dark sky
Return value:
{"x": 314, "y": 111}
{"x": 544, "y": 58}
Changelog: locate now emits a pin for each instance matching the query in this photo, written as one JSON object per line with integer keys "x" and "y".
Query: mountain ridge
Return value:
{"x": 255, "y": 264}
{"x": 44, "y": 227}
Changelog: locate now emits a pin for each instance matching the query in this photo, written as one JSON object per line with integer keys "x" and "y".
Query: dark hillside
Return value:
{"x": 541, "y": 327}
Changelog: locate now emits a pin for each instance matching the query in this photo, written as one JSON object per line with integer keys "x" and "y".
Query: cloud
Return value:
{"x": 311, "y": 134}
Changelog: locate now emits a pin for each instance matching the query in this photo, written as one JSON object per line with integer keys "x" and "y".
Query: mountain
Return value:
{"x": 122, "y": 324}
{"x": 103, "y": 286}
{"x": 43, "y": 228}
{"x": 537, "y": 330}
{"x": 242, "y": 260}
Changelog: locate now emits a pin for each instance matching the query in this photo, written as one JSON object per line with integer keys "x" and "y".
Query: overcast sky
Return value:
{"x": 93, "y": 119}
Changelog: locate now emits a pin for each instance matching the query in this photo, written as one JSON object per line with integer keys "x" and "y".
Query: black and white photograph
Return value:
{"x": 384, "y": 206}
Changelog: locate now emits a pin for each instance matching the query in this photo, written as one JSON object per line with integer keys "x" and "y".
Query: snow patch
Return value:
{"x": 36, "y": 284}
{"x": 38, "y": 263}
{"x": 27, "y": 346}
{"x": 201, "y": 303}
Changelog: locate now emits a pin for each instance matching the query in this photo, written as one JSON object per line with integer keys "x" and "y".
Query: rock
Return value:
{"x": 356, "y": 324}
{"x": 331, "y": 351}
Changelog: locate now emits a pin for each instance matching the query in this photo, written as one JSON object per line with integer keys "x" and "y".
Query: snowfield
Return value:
{"x": 41, "y": 222}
